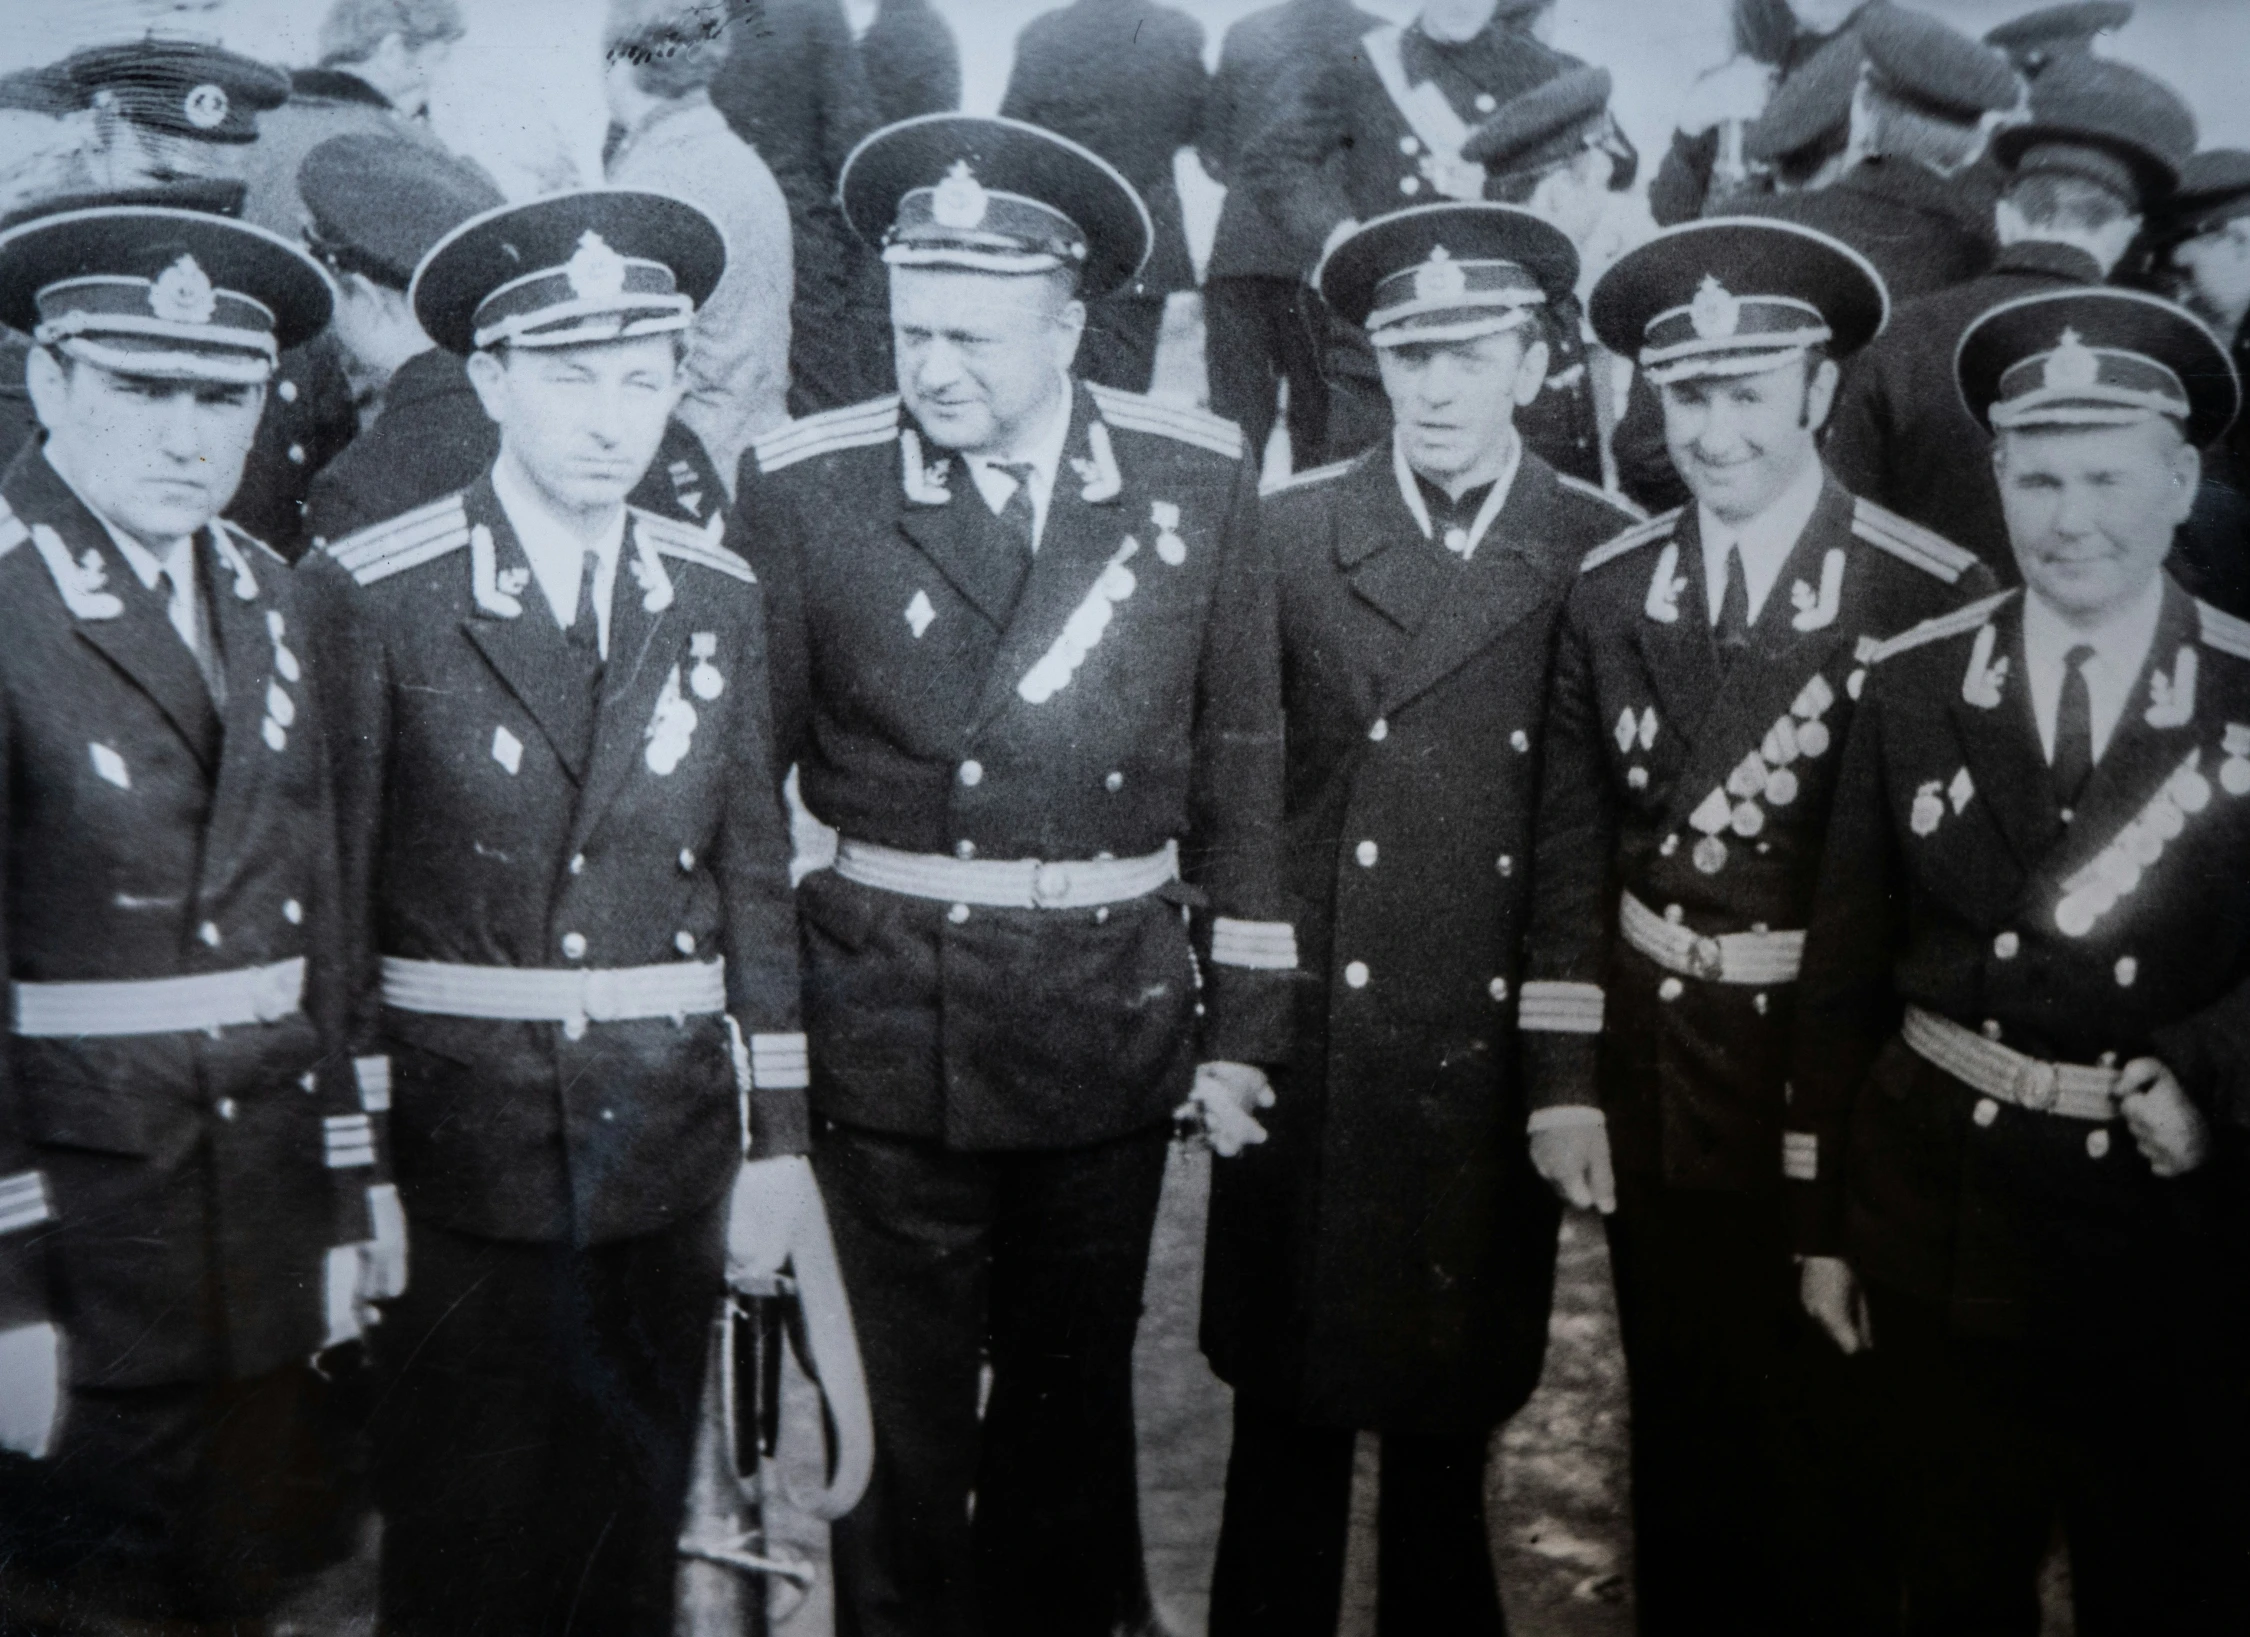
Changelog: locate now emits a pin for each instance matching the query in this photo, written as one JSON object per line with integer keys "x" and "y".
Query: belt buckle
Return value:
{"x": 272, "y": 995}
{"x": 1706, "y": 960}
{"x": 2038, "y": 1086}
{"x": 1050, "y": 885}
{"x": 600, "y": 998}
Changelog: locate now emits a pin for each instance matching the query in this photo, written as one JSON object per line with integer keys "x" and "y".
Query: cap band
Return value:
{"x": 176, "y": 325}
{"x": 1442, "y": 299}
{"x": 2084, "y": 161}
{"x": 2073, "y": 384}
{"x": 960, "y": 222}
{"x": 598, "y": 295}
{"x": 1720, "y": 333}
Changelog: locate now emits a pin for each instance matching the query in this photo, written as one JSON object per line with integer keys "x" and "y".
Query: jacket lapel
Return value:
{"x": 254, "y": 695}
{"x": 1380, "y": 550}
{"x": 1681, "y": 661}
{"x": 529, "y": 650}
{"x": 962, "y": 538}
{"x": 2000, "y": 748}
{"x": 635, "y": 675}
{"x": 1498, "y": 586}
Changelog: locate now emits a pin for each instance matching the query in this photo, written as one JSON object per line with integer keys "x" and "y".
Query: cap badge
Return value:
{"x": 205, "y": 107}
{"x": 596, "y": 272}
{"x": 1441, "y": 278}
{"x": 2072, "y": 366}
{"x": 959, "y": 200}
{"x": 1716, "y": 312}
{"x": 182, "y": 294}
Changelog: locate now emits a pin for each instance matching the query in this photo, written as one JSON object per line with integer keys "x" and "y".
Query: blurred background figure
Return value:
{"x": 795, "y": 87}
{"x": 1124, "y": 78}
{"x": 912, "y": 62}
{"x": 662, "y": 55}
{"x": 2202, "y": 250}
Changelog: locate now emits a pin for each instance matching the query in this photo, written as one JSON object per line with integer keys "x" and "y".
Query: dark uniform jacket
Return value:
{"x": 1949, "y": 866}
{"x": 1705, "y": 795}
{"x": 1900, "y": 434}
{"x": 1126, "y": 697}
{"x": 1385, "y": 1258}
{"x": 433, "y": 438}
{"x": 494, "y": 813}
{"x": 1126, "y": 79}
{"x": 1923, "y": 231}
{"x": 193, "y": 1181}
{"x": 912, "y": 63}
{"x": 1260, "y": 63}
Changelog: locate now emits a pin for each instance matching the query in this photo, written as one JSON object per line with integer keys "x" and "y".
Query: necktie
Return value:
{"x": 585, "y": 633}
{"x": 184, "y": 610}
{"x": 1733, "y": 629}
{"x": 1019, "y": 516}
{"x": 2074, "y": 728}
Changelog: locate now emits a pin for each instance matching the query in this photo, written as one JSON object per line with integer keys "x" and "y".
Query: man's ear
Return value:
{"x": 49, "y": 382}
{"x": 2186, "y": 462}
{"x": 488, "y": 373}
{"x": 1820, "y": 393}
{"x": 1070, "y": 326}
{"x": 1531, "y": 373}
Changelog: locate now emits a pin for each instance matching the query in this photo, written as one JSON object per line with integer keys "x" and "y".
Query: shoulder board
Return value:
{"x": 1659, "y": 527}
{"x": 855, "y": 426}
{"x": 407, "y": 541}
{"x": 691, "y": 545}
{"x": 1143, "y": 414}
{"x": 1958, "y": 623}
{"x": 12, "y": 531}
{"x": 2221, "y": 630}
{"x": 243, "y": 537}
{"x": 1304, "y": 480}
{"x": 1624, "y": 508}
{"x": 1926, "y": 549}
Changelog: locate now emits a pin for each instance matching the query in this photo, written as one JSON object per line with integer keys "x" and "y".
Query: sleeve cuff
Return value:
{"x": 1560, "y": 1008}
{"x": 779, "y": 1062}
{"x": 349, "y": 1141}
{"x": 1800, "y": 1156}
{"x": 24, "y": 1202}
{"x": 373, "y": 1075}
{"x": 1564, "y": 1117}
{"x": 1260, "y": 946}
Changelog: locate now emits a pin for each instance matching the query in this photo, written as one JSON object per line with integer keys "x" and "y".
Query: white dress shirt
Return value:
{"x": 1043, "y": 452}
{"x": 1411, "y": 492}
{"x": 556, "y": 554}
{"x": 2121, "y": 644}
{"x": 1765, "y": 541}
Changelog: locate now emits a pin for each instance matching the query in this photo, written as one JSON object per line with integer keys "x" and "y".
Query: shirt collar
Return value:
{"x": 1411, "y": 493}
{"x": 1765, "y": 540}
{"x": 555, "y": 553}
{"x": 1042, "y": 452}
{"x": 2121, "y": 643}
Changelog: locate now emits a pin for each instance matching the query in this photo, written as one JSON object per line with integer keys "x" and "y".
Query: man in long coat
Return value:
{"x": 1385, "y": 1260}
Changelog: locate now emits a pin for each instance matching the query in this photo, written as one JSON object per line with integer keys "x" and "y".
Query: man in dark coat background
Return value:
{"x": 912, "y": 61}
{"x": 1124, "y": 78}
{"x": 1385, "y": 1261}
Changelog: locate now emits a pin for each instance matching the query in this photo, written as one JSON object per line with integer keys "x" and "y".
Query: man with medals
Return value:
{"x": 1384, "y": 1260}
{"x": 192, "y": 1202}
{"x": 1707, "y": 664}
{"x": 1024, "y": 660}
{"x": 2016, "y": 1137}
{"x": 575, "y": 936}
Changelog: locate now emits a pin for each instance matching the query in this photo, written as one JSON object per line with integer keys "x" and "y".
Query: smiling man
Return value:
{"x": 186, "y": 1167}
{"x": 2019, "y": 1069}
{"x": 1708, "y": 663}
{"x": 1385, "y": 1260}
{"x": 575, "y": 939}
{"x": 1024, "y": 661}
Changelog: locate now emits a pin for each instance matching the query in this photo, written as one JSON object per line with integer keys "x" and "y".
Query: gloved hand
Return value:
{"x": 771, "y": 1198}
{"x": 31, "y": 1389}
{"x": 1221, "y": 1102}
{"x": 382, "y": 1260}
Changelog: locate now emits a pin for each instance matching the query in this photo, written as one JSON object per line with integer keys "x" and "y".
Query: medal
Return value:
{"x": 1929, "y": 810}
{"x": 2234, "y": 776}
{"x": 1710, "y": 855}
{"x": 705, "y": 680}
{"x": 1812, "y": 739}
{"x": 1748, "y": 819}
{"x": 1781, "y": 788}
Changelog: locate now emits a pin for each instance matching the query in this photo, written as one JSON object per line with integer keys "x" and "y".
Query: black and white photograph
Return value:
{"x": 1125, "y": 818}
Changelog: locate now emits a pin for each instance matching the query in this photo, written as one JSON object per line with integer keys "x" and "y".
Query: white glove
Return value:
{"x": 347, "y": 1316}
{"x": 1831, "y": 1293}
{"x": 1221, "y": 1102}
{"x": 1575, "y": 1161}
{"x": 771, "y": 1196}
{"x": 31, "y": 1389}
{"x": 382, "y": 1260}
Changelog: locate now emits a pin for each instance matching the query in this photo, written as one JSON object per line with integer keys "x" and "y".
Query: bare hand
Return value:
{"x": 1734, "y": 90}
{"x": 31, "y": 1389}
{"x": 1575, "y": 1161}
{"x": 382, "y": 1260}
{"x": 1831, "y": 1294}
{"x": 1221, "y": 1103}
{"x": 770, "y": 1196}
{"x": 2169, "y": 1130}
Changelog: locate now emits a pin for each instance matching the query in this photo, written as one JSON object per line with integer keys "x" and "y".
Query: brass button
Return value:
{"x": 578, "y": 864}
{"x": 964, "y": 849}
{"x": 958, "y": 914}
{"x": 1506, "y": 864}
{"x": 687, "y": 858}
{"x": 1113, "y": 782}
{"x": 1670, "y": 989}
{"x": 293, "y": 912}
{"x": 1355, "y": 975}
{"x": 2006, "y": 945}
{"x": 972, "y": 773}
{"x": 225, "y": 1108}
{"x": 1985, "y": 1112}
{"x": 1366, "y": 852}
{"x": 1380, "y": 730}
{"x": 684, "y": 942}
{"x": 574, "y": 945}
{"x": 1497, "y": 988}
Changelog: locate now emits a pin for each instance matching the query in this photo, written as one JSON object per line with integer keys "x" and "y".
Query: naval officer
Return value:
{"x": 2016, "y": 1138}
{"x": 1384, "y": 1260}
{"x": 575, "y": 936}
{"x": 1023, "y": 657}
{"x": 187, "y": 1165}
{"x": 1708, "y": 663}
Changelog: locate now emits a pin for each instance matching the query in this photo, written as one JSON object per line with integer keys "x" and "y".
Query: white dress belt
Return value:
{"x": 534, "y": 994}
{"x": 1760, "y": 959}
{"x": 2072, "y": 1090}
{"x": 1008, "y": 883}
{"x": 142, "y": 1006}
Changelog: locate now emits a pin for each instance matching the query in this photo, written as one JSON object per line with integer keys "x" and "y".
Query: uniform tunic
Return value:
{"x": 1924, "y": 232}
{"x": 1385, "y": 1259}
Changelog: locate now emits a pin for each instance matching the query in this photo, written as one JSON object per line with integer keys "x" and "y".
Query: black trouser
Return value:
{"x": 1033, "y": 1261}
{"x": 1281, "y": 1545}
{"x": 1756, "y": 1498}
{"x": 176, "y": 1505}
{"x": 536, "y": 1430}
{"x": 2127, "y": 1431}
{"x": 1257, "y": 333}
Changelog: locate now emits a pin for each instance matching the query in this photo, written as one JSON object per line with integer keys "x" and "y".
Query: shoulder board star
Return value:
{"x": 1304, "y": 480}
{"x": 243, "y": 537}
{"x": 1139, "y": 413}
{"x": 1626, "y": 511}
{"x": 1926, "y": 549}
{"x": 1659, "y": 527}
{"x": 1958, "y": 623}
{"x": 2223, "y": 631}
{"x": 407, "y": 541}
{"x": 856, "y": 426}
{"x": 12, "y": 531}
{"x": 691, "y": 545}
